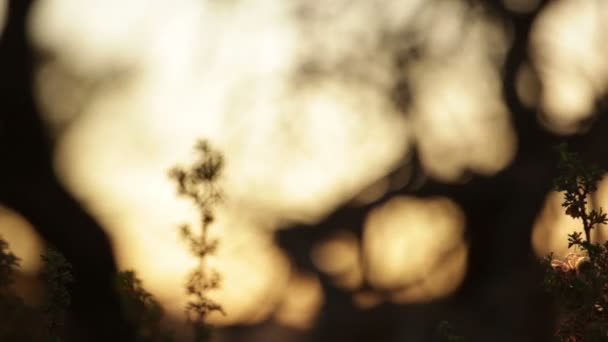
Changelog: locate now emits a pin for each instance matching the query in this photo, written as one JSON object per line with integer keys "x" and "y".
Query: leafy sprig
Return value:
{"x": 142, "y": 309}
{"x": 198, "y": 183}
{"x": 8, "y": 266}
{"x": 577, "y": 180}
{"x": 579, "y": 281}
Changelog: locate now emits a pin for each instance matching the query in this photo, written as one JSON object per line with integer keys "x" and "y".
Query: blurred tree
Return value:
{"x": 29, "y": 185}
{"x": 501, "y": 277}
{"x": 501, "y": 290}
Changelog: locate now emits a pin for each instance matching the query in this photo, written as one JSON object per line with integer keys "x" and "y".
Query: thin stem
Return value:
{"x": 586, "y": 225}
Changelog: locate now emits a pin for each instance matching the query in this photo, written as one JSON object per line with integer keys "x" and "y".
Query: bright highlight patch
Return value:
{"x": 415, "y": 247}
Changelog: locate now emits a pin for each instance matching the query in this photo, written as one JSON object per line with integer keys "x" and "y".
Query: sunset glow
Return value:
{"x": 295, "y": 95}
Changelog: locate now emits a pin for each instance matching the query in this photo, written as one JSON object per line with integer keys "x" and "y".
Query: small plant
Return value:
{"x": 8, "y": 266}
{"x": 10, "y": 305}
{"x": 579, "y": 281}
{"x": 577, "y": 181}
{"x": 142, "y": 309}
{"x": 20, "y": 322}
{"x": 57, "y": 274}
{"x": 198, "y": 183}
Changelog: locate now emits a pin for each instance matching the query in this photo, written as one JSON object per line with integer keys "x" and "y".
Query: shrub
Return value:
{"x": 57, "y": 274}
{"x": 579, "y": 281}
{"x": 8, "y": 266}
{"x": 142, "y": 309}
{"x": 20, "y": 322}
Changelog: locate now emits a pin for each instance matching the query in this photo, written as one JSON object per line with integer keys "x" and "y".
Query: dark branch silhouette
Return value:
{"x": 500, "y": 212}
{"x": 29, "y": 185}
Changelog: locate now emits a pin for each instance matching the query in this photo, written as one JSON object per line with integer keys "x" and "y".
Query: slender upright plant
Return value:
{"x": 198, "y": 183}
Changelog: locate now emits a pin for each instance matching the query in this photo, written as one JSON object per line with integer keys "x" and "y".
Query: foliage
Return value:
{"x": 21, "y": 322}
{"x": 198, "y": 183}
{"x": 8, "y": 305}
{"x": 579, "y": 281}
{"x": 57, "y": 274}
{"x": 578, "y": 180}
{"x": 142, "y": 309}
{"x": 8, "y": 265}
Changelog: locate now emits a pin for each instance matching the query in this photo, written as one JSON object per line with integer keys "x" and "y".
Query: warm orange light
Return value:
{"x": 22, "y": 239}
{"x": 197, "y": 70}
{"x": 458, "y": 113}
{"x": 339, "y": 257}
{"x": 527, "y": 85}
{"x": 254, "y": 273}
{"x": 367, "y": 299}
{"x": 416, "y": 245}
{"x": 200, "y": 69}
{"x": 551, "y": 229}
{"x": 569, "y": 49}
{"x": 301, "y": 303}
{"x": 600, "y": 200}
{"x": 3, "y": 8}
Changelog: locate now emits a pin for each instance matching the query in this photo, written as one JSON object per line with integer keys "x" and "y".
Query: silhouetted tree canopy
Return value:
{"x": 501, "y": 290}
{"x": 29, "y": 185}
{"x": 500, "y": 298}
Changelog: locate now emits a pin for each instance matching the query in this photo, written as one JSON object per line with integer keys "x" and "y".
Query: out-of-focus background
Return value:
{"x": 315, "y": 105}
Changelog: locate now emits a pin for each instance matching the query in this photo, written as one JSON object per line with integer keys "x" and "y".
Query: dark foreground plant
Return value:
{"x": 142, "y": 309}
{"x": 24, "y": 323}
{"x": 198, "y": 183}
{"x": 21, "y": 322}
{"x": 57, "y": 275}
{"x": 15, "y": 317}
{"x": 579, "y": 281}
{"x": 8, "y": 266}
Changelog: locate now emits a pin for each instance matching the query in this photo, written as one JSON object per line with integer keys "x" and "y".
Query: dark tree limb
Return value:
{"x": 29, "y": 185}
{"x": 500, "y": 210}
